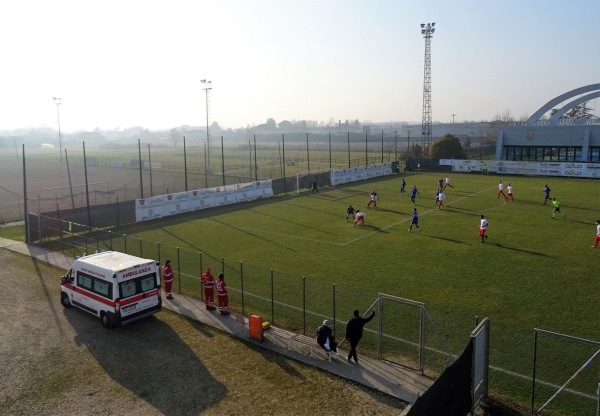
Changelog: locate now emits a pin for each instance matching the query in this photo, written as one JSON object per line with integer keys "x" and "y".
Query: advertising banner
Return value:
{"x": 181, "y": 202}
{"x": 339, "y": 176}
{"x": 514, "y": 167}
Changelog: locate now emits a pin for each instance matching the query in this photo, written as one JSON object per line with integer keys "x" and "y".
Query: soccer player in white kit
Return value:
{"x": 509, "y": 192}
{"x": 360, "y": 216}
{"x": 482, "y": 227}
{"x": 501, "y": 190}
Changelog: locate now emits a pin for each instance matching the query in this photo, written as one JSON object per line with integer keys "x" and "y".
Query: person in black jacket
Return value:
{"x": 326, "y": 340}
{"x": 354, "y": 331}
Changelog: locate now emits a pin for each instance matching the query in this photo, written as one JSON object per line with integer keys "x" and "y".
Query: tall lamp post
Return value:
{"x": 427, "y": 30}
{"x": 58, "y": 102}
{"x": 207, "y": 88}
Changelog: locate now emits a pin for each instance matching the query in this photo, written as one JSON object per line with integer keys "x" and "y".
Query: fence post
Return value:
{"x": 272, "y": 299}
{"x": 140, "y": 242}
{"x": 178, "y": 271}
{"x": 73, "y": 242}
{"x": 110, "y": 239}
{"x": 304, "y": 305}
{"x": 62, "y": 243}
{"x": 223, "y": 264}
{"x": 333, "y": 288}
{"x": 85, "y": 235}
{"x": 158, "y": 251}
{"x": 97, "y": 241}
{"x": 200, "y": 265}
{"x": 533, "y": 375}
{"x": 242, "y": 284}
{"x": 422, "y": 341}
{"x": 125, "y": 242}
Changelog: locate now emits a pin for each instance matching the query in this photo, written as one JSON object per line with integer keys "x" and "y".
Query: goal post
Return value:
{"x": 305, "y": 179}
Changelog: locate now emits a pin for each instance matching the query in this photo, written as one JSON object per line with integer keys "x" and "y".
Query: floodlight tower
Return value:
{"x": 427, "y": 30}
{"x": 207, "y": 88}
{"x": 58, "y": 102}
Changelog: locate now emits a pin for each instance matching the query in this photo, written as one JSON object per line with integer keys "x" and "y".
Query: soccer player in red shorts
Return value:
{"x": 482, "y": 227}
{"x": 501, "y": 190}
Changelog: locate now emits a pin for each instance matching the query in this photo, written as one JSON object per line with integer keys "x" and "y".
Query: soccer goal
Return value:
{"x": 304, "y": 180}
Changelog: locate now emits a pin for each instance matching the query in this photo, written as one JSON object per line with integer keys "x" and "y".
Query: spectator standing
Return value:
{"x": 402, "y": 186}
{"x": 208, "y": 281}
{"x": 597, "y": 234}
{"x": 168, "y": 278}
{"x": 223, "y": 299}
{"x": 484, "y": 169}
{"x": 482, "y": 229}
{"x": 354, "y": 332}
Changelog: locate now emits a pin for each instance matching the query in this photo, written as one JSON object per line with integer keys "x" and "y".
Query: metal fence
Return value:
{"x": 95, "y": 175}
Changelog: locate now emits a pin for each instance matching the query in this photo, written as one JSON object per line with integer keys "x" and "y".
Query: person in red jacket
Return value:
{"x": 208, "y": 281}
{"x": 222, "y": 295}
{"x": 168, "y": 278}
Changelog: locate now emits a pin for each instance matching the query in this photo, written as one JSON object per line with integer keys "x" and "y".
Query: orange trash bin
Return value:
{"x": 255, "y": 327}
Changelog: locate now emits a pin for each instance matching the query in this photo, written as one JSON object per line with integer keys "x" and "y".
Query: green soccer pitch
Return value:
{"x": 533, "y": 271}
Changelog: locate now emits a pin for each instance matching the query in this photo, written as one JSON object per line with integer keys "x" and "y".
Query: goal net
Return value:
{"x": 304, "y": 180}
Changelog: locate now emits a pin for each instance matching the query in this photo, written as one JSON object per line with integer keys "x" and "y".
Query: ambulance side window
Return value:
{"x": 148, "y": 282}
{"x": 84, "y": 281}
{"x": 127, "y": 288}
{"x": 103, "y": 288}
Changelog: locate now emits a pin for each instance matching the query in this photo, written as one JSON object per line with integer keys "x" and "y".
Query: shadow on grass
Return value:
{"x": 252, "y": 234}
{"x": 149, "y": 359}
{"x": 451, "y": 240}
{"x": 535, "y": 253}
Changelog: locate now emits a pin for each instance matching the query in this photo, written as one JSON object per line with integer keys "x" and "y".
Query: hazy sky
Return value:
{"x": 123, "y": 63}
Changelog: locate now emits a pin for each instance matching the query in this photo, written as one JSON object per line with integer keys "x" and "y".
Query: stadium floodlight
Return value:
{"x": 427, "y": 32}
{"x": 207, "y": 89}
{"x": 58, "y": 100}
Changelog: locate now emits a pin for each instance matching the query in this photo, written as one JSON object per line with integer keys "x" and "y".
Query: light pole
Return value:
{"x": 427, "y": 30}
{"x": 58, "y": 102}
{"x": 207, "y": 88}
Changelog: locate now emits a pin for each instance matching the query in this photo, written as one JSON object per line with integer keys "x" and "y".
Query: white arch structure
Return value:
{"x": 593, "y": 88}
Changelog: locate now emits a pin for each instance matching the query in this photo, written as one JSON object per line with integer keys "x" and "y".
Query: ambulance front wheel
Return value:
{"x": 64, "y": 299}
{"x": 105, "y": 320}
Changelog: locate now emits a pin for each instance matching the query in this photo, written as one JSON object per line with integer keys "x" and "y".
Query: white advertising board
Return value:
{"x": 339, "y": 176}
{"x": 181, "y": 202}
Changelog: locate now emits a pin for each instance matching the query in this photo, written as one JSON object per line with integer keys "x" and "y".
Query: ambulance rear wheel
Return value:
{"x": 105, "y": 320}
{"x": 64, "y": 299}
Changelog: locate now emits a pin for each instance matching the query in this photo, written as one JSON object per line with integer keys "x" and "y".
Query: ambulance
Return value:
{"x": 116, "y": 287}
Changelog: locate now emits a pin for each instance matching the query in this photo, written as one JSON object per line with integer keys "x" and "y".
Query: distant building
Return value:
{"x": 555, "y": 137}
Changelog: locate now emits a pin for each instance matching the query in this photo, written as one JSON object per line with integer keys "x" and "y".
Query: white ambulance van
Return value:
{"x": 116, "y": 287}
